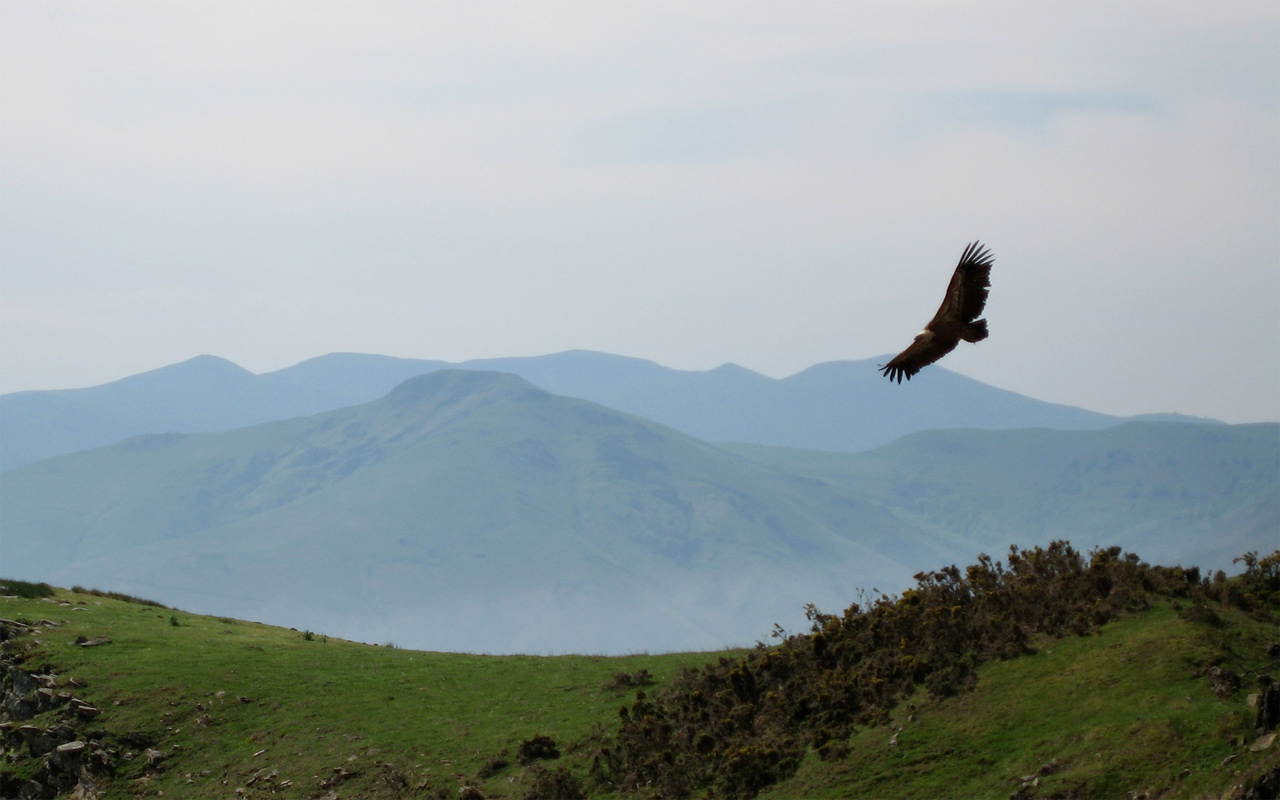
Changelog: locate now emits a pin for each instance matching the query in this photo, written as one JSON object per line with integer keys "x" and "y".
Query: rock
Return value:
{"x": 66, "y": 757}
{"x": 94, "y": 642}
{"x": 41, "y": 741}
{"x": 1263, "y": 743}
{"x": 1268, "y": 708}
{"x": 154, "y": 757}
{"x": 20, "y": 681}
{"x": 1056, "y": 765}
{"x": 83, "y": 710}
{"x": 1222, "y": 682}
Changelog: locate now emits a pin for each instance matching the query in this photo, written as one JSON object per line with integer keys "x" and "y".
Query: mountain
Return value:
{"x": 1195, "y": 494}
{"x": 478, "y": 512}
{"x": 202, "y": 394}
{"x": 843, "y": 405}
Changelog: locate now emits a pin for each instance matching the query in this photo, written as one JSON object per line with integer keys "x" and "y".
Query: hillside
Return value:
{"x": 1191, "y": 494}
{"x": 836, "y": 406}
{"x": 204, "y": 707}
{"x": 479, "y": 513}
{"x": 520, "y": 521}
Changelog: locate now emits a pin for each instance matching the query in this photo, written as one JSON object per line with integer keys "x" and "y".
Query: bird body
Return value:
{"x": 956, "y": 320}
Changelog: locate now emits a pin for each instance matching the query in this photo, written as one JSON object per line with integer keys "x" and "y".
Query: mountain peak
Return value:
{"x": 446, "y": 386}
{"x": 202, "y": 368}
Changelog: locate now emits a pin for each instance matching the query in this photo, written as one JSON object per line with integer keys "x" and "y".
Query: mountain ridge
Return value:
{"x": 832, "y": 406}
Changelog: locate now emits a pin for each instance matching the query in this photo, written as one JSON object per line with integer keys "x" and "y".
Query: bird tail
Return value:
{"x": 975, "y": 331}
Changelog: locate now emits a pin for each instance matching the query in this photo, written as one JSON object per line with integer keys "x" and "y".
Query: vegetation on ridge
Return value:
{"x": 210, "y": 707}
{"x": 739, "y": 725}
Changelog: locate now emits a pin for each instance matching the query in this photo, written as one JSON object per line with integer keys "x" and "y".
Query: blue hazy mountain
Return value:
{"x": 842, "y": 405}
{"x": 470, "y": 510}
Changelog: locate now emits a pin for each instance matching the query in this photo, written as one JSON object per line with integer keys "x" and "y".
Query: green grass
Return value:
{"x": 318, "y": 705}
{"x": 1127, "y": 709}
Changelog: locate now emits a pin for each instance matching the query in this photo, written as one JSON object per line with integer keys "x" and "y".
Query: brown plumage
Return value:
{"x": 956, "y": 318}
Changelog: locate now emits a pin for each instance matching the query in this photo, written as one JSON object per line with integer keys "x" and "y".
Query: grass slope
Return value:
{"x": 1124, "y": 710}
{"x": 315, "y": 705}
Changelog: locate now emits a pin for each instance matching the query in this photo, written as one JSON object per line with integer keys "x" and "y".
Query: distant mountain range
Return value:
{"x": 480, "y": 512}
{"x": 843, "y": 405}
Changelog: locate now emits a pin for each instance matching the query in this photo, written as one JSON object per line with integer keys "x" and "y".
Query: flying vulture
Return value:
{"x": 956, "y": 318}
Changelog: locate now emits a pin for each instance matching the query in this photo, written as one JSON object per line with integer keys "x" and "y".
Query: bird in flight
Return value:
{"x": 956, "y": 319}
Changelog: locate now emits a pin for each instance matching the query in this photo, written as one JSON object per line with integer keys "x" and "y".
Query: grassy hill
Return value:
{"x": 206, "y": 707}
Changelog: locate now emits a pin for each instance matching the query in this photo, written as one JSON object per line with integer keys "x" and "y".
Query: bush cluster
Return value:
{"x": 31, "y": 591}
{"x": 1258, "y": 589}
{"x": 739, "y": 725}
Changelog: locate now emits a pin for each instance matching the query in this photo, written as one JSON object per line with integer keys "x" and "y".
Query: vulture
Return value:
{"x": 956, "y": 319}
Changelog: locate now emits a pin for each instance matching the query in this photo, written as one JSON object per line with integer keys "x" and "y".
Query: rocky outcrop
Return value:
{"x": 39, "y": 721}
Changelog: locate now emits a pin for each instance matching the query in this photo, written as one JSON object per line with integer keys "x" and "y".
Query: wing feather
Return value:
{"x": 967, "y": 293}
{"x": 920, "y": 354}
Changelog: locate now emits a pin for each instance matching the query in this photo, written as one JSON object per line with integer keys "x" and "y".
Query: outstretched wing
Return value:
{"x": 926, "y": 349}
{"x": 967, "y": 292}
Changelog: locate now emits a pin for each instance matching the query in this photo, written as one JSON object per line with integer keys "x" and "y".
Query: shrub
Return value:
{"x": 539, "y": 748}
{"x": 630, "y": 680}
{"x": 127, "y": 598}
{"x": 1260, "y": 581}
{"x": 736, "y": 726}
{"x": 30, "y": 591}
{"x": 557, "y": 784}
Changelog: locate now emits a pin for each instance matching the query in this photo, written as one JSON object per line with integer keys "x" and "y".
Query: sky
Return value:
{"x": 770, "y": 184}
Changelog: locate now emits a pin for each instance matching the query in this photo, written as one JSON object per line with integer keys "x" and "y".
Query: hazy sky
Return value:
{"x": 772, "y": 184}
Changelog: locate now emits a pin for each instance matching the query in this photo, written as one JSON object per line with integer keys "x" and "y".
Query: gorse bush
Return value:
{"x": 737, "y": 726}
